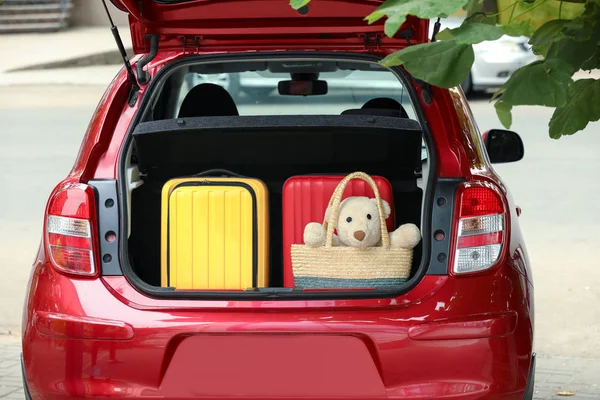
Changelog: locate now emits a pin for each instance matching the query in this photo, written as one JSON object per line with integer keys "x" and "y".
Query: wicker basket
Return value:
{"x": 350, "y": 267}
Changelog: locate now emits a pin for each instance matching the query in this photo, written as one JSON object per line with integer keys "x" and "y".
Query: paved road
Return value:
{"x": 556, "y": 185}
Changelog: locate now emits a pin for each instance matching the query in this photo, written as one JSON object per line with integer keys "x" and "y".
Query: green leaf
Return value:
{"x": 582, "y": 107}
{"x": 397, "y": 10}
{"x": 593, "y": 62}
{"x": 445, "y": 64}
{"x": 471, "y": 33}
{"x": 579, "y": 29}
{"x": 298, "y": 4}
{"x": 473, "y": 6}
{"x": 557, "y": 38}
{"x": 574, "y": 52}
{"x": 541, "y": 50}
{"x": 584, "y": 26}
{"x": 517, "y": 29}
{"x": 543, "y": 83}
{"x": 548, "y": 33}
{"x": 539, "y": 12}
{"x": 481, "y": 18}
{"x": 503, "y": 111}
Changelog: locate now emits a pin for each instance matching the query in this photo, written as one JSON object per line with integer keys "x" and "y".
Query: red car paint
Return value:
{"x": 214, "y": 23}
{"x": 451, "y": 336}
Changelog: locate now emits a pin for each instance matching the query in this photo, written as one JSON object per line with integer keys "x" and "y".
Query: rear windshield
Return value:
{"x": 283, "y": 88}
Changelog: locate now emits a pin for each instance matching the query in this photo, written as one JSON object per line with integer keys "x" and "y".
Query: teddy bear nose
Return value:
{"x": 359, "y": 235}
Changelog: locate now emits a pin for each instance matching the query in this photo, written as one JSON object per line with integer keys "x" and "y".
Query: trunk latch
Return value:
{"x": 372, "y": 40}
{"x": 191, "y": 44}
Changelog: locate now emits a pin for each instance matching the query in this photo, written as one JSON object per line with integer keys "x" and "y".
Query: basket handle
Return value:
{"x": 336, "y": 199}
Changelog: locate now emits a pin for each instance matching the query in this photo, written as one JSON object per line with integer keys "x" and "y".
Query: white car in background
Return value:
{"x": 495, "y": 62}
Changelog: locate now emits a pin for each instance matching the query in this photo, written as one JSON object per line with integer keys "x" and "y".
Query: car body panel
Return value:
{"x": 491, "y": 338}
{"x": 195, "y": 22}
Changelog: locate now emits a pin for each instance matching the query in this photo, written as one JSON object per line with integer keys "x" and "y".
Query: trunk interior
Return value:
{"x": 359, "y": 118}
{"x": 273, "y": 150}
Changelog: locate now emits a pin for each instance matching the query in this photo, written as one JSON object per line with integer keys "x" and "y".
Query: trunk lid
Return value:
{"x": 251, "y": 23}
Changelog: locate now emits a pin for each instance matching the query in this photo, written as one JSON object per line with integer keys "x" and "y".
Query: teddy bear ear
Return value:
{"x": 386, "y": 207}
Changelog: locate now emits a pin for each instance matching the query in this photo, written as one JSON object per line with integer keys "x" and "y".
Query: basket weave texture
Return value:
{"x": 331, "y": 266}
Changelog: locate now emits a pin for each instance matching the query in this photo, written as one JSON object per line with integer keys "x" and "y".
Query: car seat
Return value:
{"x": 380, "y": 106}
{"x": 208, "y": 100}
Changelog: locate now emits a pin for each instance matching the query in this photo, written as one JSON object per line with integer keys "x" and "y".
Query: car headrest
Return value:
{"x": 374, "y": 111}
{"x": 208, "y": 100}
{"x": 386, "y": 103}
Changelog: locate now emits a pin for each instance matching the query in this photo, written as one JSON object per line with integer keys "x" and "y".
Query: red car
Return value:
{"x": 97, "y": 322}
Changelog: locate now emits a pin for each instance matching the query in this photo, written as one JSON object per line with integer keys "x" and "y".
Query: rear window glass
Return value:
{"x": 284, "y": 88}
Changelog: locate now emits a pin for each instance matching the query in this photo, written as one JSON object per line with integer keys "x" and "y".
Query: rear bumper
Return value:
{"x": 447, "y": 345}
{"x": 429, "y": 393}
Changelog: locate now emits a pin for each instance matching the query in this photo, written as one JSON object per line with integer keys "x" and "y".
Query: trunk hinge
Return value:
{"x": 191, "y": 44}
{"x": 406, "y": 34}
{"x": 372, "y": 40}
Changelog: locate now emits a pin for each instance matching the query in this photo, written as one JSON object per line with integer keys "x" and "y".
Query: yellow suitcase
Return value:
{"x": 214, "y": 233}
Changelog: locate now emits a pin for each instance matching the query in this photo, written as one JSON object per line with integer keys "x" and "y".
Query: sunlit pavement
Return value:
{"x": 556, "y": 185}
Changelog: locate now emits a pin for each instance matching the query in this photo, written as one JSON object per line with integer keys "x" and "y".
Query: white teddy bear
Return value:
{"x": 358, "y": 226}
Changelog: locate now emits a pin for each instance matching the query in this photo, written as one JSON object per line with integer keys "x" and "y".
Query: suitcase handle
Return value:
{"x": 218, "y": 172}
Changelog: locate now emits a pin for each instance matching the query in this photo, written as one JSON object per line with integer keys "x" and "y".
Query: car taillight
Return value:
{"x": 70, "y": 228}
{"x": 481, "y": 228}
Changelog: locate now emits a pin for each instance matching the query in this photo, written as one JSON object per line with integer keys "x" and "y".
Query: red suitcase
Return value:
{"x": 305, "y": 199}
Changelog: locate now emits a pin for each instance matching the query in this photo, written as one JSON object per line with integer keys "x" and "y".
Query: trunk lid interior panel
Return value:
{"x": 249, "y": 20}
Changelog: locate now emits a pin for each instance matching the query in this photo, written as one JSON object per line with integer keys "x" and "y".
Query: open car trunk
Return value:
{"x": 178, "y": 133}
{"x": 296, "y": 139}
{"x": 272, "y": 149}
